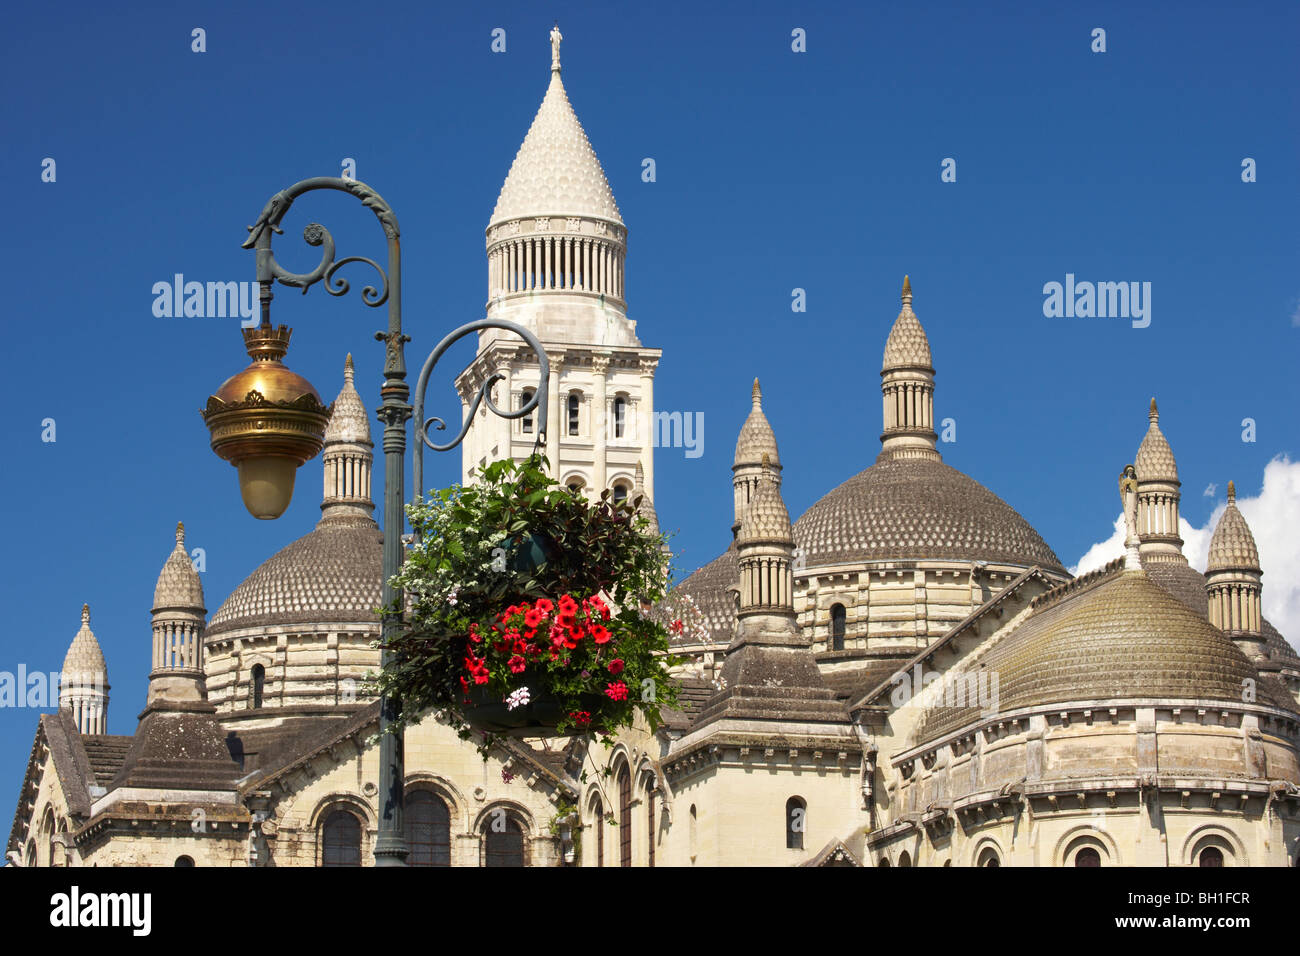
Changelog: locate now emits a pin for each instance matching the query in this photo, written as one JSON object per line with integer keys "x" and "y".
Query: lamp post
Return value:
{"x": 267, "y": 421}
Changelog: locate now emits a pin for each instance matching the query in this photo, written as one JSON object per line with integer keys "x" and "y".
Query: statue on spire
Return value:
{"x": 556, "y": 37}
{"x": 1128, "y": 489}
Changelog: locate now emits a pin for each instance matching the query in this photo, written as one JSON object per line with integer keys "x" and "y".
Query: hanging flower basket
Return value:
{"x": 524, "y": 616}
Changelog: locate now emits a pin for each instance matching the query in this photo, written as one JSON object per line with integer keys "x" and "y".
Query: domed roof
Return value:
{"x": 709, "y": 587}
{"x": 85, "y": 657}
{"x": 556, "y": 172}
{"x": 1233, "y": 546}
{"x": 332, "y": 574}
{"x": 766, "y": 519}
{"x": 917, "y": 508}
{"x": 1155, "y": 459}
{"x": 907, "y": 344}
{"x": 1182, "y": 581}
{"x": 756, "y": 437}
{"x": 178, "y": 583}
{"x": 349, "y": 422}
{"x": 1111, "y": 635}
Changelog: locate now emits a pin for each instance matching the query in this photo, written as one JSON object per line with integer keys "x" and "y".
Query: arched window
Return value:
{"x": 574, "y": 402}
{"x": 503, "y": 840}
{"x": 796, "y": 819}
{"x": 524, "y": 399}
{"x": 30, "y": 855}
{"x": 651, "y": 824}
{"x": 989, "y": 857}
{"x": 184, "y": 861}
{"x": 837, "y": 627}
{"x": 341, "y": 839}
{"x": 904, "y": 859}
{"x": 884, "y": 862}
{"x": 1088, "y": 856}
{"x": 620, "y": 493}
{"x": 620, "y": 416}
{"x": 694, "y": 834}
{"x": 598, "y": 824}
{"x": 1211, "y": 856}
{"x": 624, "y": 817}
{"x": 258, "y": 685}
{"x": 428, "y": 829}
{"x": 575, "y": 485}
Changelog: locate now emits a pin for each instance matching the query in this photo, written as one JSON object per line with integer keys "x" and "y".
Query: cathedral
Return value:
{"x": 907, "y": 675}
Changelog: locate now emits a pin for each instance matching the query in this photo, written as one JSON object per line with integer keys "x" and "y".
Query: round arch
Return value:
{"x": 984, "y": 846}
{"x": 1076, "y": 838}
{"x": 1213, "y": 835}
{"x": 448, "y": 791}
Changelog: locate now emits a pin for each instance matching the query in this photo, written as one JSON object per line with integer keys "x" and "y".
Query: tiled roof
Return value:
{"x": 1233, "y": 546}
{"x": 1155, "y": 459}
{"x": 708, "y": 588}
{"x": 756, "y": 437}
{"x": 332, "y": 574}
{"x": 85, "y": 657}
{"x": 1111, "y": 635}
{"x": 917, "y": 509}
{"x": 178, "y": 583}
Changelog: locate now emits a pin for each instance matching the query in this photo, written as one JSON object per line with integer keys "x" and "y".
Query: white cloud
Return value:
{"x": 1274, "y": 519}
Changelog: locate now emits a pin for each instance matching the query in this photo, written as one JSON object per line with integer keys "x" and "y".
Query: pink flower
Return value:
{"x": 516, "y": 664}
{"x": 616, "y": 690}
{"x": 616, "y": 666}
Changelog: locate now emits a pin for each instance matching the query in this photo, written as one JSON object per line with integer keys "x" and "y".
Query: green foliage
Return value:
{"x": 486, "y": 555}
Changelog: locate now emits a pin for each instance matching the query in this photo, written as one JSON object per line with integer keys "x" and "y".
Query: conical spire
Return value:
{"x": 556, "y": 172}
{"x": 83, "y": 682}
{"x": 1233, "y": 545}
{"x": 349, "y": 421}
{"x": 756, "y": 436}
{"x": 1155, "y": 459}
{"x": 767, "y": 519}
{"x": 907, "y": 345}
{"x": 178, "y": 583}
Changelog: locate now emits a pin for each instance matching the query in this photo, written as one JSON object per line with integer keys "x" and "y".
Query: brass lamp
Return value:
{"x": 266, "y": 421}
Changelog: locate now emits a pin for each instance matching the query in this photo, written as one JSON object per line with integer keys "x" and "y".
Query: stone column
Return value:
{"x": 599, "y": 374}
{"x": 553, "y": 412}
{"x": 645, "y": 421}
{"x": 506, "y": 403}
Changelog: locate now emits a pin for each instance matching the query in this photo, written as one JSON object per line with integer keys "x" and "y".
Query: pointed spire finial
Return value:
{"x": 757, "y": 394}
{"x": 907, "y": 290}
{"x": 348, "y": 371}
{"x": 556, "y": 37}
{"x": 180, "y": 532}
{"x": 1155, "y": 413}
{"x": 85, "y": 614}
{"x": 1232, "y": 492}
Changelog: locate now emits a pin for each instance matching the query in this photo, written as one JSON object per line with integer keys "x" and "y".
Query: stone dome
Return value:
{"x": 85, "y": 657}
{"x": 333, "y": 574}
{"x": 1155, "y": 459}
{"x": 556, "y": 172}
{"x": 178, "y": 583}
{"x": 917, "y": 508}
{"x": 709, "y": 587}
{"x": 1110, "y": 635}
{"x": 1233, "y": 546}
{"x": 756, "y": 436}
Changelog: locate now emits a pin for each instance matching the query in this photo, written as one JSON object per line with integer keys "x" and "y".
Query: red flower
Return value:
{"x": 580, "y": 717}
{"x": 600, "y": 634}
{"x": 616, "y": 666}
{"x": 599, "y": 605}
{"x": 676, "y": 627}
{"x": 575, "y": 634}
{"x": 544, "y": 605}
{"x": 516, "y": 664}
{"x": 616, "y": 690}
{"x": 532, "y": 618}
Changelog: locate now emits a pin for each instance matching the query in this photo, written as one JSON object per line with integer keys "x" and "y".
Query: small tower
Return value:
{"x": 348, "y": 455}
{"x": 1233, "y": 582}
{"x": 645, "y": 508}
{"x": 756, "y": 443}
{"x": 765, "y": 553}
{"x": 1158, "y": 497}
{"x": 178, "y": 620}
{"x": 83, "y": 683}
{"x": 907, "y": 387}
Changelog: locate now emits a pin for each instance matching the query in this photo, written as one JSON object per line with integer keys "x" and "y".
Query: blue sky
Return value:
{"x": 776, "y": 170}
